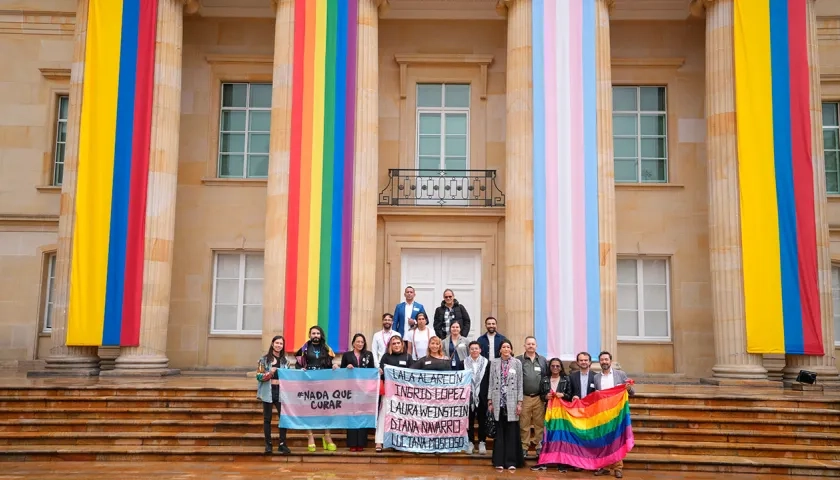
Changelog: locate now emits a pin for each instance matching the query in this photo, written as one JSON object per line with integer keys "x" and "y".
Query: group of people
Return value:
{"x": 512, "y": 390}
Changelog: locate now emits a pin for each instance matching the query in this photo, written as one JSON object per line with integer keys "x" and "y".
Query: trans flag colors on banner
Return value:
{"x": 776, "y": 178}
{"x": 321, "y": 171}
{"x": 106, "y": 283}
{"x": 317, "y": 399}
{"x": 590, "y": 433}
{"x": 426, "y": 411}
{"x": 567, "y": 289}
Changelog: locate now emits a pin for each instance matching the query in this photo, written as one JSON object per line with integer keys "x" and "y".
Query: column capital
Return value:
{"x": 698, "y": 7}
{"x": 191, "y": 6}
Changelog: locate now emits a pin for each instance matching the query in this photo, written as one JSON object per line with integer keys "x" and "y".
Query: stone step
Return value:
{"x": 124, "y": 401}
{"x": 733, "y": 438}
{"x": 765, "y": 425}
{"x": 727, "y": 413}
{"x": 789, "y": 400}
{"x": 670, "y": 447}
{"x": 732, "y": 465}
{"x": 128, "y": 391}
{"x": 143, "y": 414}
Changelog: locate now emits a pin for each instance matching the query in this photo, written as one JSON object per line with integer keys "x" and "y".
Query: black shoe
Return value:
{"x": 283, "y": 449}
{"x": 267, "y": 449}
{"x": 561, "y": 469}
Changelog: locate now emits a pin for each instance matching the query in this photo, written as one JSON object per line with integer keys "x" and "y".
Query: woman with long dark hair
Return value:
{"x": 358, "y": 357}
{"x": 558, "y": 388}
{"x": 268, "y": 390}
{"x": 505, "y": 404}
{"x": 317, "y": 355}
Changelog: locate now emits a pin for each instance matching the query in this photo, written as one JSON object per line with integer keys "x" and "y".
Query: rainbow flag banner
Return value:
{"x": 591, "y": 433}
{"x": 321, "y": 171}
{"x": 106, "y": 283}
{"x": 567, "y": 291}
{"x": 778, "y": 226}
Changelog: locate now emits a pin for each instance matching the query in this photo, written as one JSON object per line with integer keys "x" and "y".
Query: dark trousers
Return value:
{"x": 478, "y": 413}
{"x": 507, "y": 446}
{"x": 275, "y": 397}
{"x": 357, "y": 437}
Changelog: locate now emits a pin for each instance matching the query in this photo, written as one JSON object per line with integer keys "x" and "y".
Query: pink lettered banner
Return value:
{"x": 318, "y": 399}
{"x": 426, "y": 412}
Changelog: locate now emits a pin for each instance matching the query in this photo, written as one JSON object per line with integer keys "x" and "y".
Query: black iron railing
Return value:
{"x": 457, "y": 188}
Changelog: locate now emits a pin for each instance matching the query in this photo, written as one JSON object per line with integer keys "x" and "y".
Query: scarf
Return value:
{"x": 476, "y": 379}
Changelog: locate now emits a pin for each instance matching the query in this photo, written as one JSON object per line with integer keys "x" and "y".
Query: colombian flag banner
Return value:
{"x": 106, "y": 282}
{"x": 591, "y": 433}
{"x": 778, "y": 226}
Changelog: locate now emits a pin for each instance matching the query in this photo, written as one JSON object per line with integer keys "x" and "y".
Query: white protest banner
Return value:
{"x": 426, "y": 411}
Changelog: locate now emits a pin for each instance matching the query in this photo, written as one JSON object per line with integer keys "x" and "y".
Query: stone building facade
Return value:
{"x": 213, "y": 243}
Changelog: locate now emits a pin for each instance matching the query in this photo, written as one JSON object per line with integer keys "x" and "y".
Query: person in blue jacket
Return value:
{"x": 405, "y": 314}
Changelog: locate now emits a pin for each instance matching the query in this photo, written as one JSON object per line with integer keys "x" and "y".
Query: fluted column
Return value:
{"x": 64, "y": 360}
{"x": 277, "y": 198}
{"x": 606, "y": 181}
{"x": 519, "y": 153}
{"x": 825, "y": 366}
{"x": 363, "y": 252}
{"x": 731, "y": 358}
{"x": 149, "y": 358}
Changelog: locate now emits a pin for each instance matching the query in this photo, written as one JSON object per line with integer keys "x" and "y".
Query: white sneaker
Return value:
{"x": 482, "y": 448}
{"x": 470, "y": 447}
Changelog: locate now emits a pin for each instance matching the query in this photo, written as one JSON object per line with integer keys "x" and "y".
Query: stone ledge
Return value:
{"x": 151, "y": 372}
{"x": 737, "y": 382}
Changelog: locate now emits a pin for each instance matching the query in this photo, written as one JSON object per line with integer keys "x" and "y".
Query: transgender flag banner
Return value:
{"x": 426, "y": 411}
{"x": 318, "y": 399}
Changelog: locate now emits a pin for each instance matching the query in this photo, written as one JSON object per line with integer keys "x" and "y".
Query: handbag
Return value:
{"x": 490, "y": 425}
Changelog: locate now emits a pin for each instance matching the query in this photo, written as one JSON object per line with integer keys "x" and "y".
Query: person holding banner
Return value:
{"x": 395, "y": 357}
{"x": 317, "y": 355}
{"x": 477, "y": 364}
{"x": 559, "y": 388}
{"x": 505, "y": 404}
{"x": 435, "y": 359}
{"x": 358, "y": 357}
{"x": 268, "y": 390}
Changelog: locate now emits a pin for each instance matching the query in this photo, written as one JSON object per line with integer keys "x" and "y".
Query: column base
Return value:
{"x": 133, "y": 365}
{"x": 735, "y": 382}
{"x": 739, "y": 372}
{"x": 826, "y": 376}
{"x": 68, "y": 366}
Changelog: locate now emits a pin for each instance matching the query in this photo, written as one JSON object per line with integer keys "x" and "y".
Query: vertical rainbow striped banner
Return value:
{"x": 321, "y": 171}
{"x": 567, "y": 291}
{"x": 778, "y": 225}
{"x": 106, "y": 283}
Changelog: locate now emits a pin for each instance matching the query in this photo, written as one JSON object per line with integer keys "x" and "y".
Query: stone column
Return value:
{"x": 825, "y": 366}
{"x": 64, "y": 360}
{"x": 519, "y": 153}
{"x": 365, "y": 192}
{"x": 732, "y": 362}
{"x": 150, "y": 357}
{"x": 606, "y": 182}
{"x": 277, "y": 198}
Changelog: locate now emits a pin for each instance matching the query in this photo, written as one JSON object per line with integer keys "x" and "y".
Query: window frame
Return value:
{"x": 441, "y": 111}
{"x": 639, "y": 136}
{"x": 247, "y": 132}
{"x": 835, "y": 294}
{"x": 240, "y": 299}
{"x": 47, "y": 301}
{"x": 640, "y": 310}
{"x": 54, "y": 180}
{"x": 836, "y": 106}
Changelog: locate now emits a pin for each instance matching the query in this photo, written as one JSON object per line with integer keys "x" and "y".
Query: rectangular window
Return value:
{"x": 237, "y": 293}
{"x": 644, "y": 305}
{"x": 443, "y": 126}
{"x": 835, "y": 298}
{"x": 244, "y": 130}
{"x": 640, "y": 139}
{"x": 49, "y": 293}
{"x": 62, "y": 106}
{"x": 831, "y": 141}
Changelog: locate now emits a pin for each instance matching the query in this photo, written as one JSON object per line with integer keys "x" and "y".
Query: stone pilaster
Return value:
{"x": 365, "y": 193}
{"x": 825, "y": 366}
{"x": 732, "y": 362}
{"x": 519, "y": 153}
{"x": 64, "y": 360}
{"x": 606, "y": 182}
{"x": 149, "y": 358}
{"x": 277, "y": 198}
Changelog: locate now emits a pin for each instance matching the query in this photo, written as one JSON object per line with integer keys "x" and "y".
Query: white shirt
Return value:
{"x": 584, "y": 384}
{"x": 380, "y": 344}
{"x": 491, "y": 340}
{"x": 409, "y": 307}
{"x": 607, "y": 380}
{"x": 419, "y": 342}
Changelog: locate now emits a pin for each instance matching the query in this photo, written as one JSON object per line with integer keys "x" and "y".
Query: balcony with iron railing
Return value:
{"x": 445, "y": 188}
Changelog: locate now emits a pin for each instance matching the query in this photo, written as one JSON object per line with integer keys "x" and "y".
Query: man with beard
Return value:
{"x": 317, "y": 355}
{"x": 609, "y": 378}
{"x": 383, "y": 337}
{"x": 490, "y": 339}
{"x": 448, "y": 312}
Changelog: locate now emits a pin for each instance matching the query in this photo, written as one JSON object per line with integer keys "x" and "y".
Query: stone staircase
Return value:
{"x": 695, "y": 429}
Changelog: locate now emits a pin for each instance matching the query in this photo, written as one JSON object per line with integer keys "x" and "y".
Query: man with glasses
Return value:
{"x": 448, "y": 312}
{"x": 534, "y": 374}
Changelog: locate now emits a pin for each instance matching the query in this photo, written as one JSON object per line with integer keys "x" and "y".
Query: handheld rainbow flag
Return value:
{"x": 106, "y": 284}
{"x": 776, "y": 178}
{"x": 590, "y": 433}
{"x": 321, "y": 171}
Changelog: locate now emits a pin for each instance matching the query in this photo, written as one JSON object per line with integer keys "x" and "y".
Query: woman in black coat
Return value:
{"x": 359, "y": 357}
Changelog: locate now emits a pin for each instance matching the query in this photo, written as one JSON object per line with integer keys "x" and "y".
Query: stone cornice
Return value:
{"x": 648, "y": 62}
{"x": 502, "y": 5}
{"x": 480, "y": 60}
{"x": 28, "y": 220}
{"x": 55, "y": 73}
{"x": 222, "y": 59}
{"x": 191, "y": 7}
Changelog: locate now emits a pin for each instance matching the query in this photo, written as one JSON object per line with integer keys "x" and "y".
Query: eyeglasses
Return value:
{"x": 447, "y": 296}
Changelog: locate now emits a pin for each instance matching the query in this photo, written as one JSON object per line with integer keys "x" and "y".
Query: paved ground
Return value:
{"x": 310, "y": 471}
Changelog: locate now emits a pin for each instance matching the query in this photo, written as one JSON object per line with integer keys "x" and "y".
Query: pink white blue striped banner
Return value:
{"x": 316, "y": 399}
{"x": 566, "y": 260}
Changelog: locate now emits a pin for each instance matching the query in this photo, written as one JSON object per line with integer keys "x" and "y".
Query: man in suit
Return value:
{"x": 491, "y": 338}
{"x": 405, "y": 314}
{"x": 609, "y": 378}
{"x": 583, "y": 381}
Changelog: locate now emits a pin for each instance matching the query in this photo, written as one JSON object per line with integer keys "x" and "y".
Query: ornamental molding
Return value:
{"x": 55, "y": 73}
{"x": 648, "y": 62}
{"x": 467, "y": 59}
